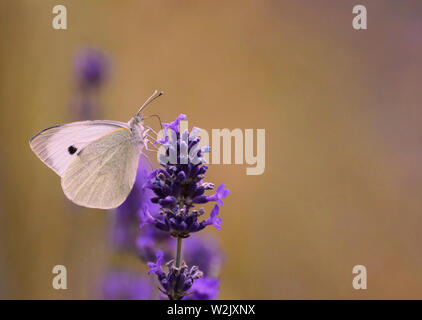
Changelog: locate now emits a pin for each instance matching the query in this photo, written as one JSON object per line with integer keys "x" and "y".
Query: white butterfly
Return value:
{"x": 96, "y": 160}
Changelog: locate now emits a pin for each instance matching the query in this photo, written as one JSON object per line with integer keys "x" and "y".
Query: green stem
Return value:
{"x": 179, "y": 251}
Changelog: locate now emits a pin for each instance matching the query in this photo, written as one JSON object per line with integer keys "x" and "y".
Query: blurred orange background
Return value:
{"x": 341, "y": 110}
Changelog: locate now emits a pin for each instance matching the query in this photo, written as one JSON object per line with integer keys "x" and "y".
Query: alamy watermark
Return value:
{"x": 359, "y": 21}
{"x": 60, "y": 280}
{"x": 60, "y": 19}
{"x": 220, "y": 146}
{"x": 360, "y": 280}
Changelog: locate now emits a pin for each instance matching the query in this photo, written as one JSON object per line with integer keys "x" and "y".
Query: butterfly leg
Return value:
{"x": 154, "y": 132}
{"x": 148, "y": 141}
{"x": 146, "y": 135}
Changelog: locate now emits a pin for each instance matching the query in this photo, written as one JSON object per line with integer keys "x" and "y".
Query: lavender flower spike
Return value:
{"x": 179, "y": 185}
{"x": 177, "y": 281}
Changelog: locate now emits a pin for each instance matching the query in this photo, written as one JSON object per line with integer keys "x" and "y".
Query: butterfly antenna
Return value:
{"x": 154, "y": 96}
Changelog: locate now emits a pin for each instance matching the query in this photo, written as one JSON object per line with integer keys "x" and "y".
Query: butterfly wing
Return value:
{"x": 103, "y": 173}
{"x": 57, "y": 146}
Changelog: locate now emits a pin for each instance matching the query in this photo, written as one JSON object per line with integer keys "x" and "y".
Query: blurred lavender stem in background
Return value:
{"x": 124, "y": 285}
{"x": 91, "y": 69}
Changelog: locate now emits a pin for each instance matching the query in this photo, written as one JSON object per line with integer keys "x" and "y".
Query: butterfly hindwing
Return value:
{"x": 103, "y": 173}
{"x": 57, "y": 146}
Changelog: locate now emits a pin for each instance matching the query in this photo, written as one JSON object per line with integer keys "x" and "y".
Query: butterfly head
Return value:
{"x": 136, "y": 125}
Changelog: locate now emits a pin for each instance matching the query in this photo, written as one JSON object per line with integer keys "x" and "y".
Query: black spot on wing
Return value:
{"x": 72, "y": 149}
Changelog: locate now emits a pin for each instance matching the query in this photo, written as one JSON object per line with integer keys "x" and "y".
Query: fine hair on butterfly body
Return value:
{"x": 96, "y": 160}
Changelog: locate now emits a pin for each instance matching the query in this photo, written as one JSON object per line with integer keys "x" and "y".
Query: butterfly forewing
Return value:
{"x": 57, "y": 146}
{"x": 103, "y": 173}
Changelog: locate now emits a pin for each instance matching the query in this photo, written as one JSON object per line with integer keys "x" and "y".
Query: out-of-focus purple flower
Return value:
{"x": 91, "y": 67}
{"x": 205, "y": 252}
{"x": 204, "y": 289}
{"x": 145, "y": 246}
{"x": 177, "y": 281}
{"x": 179, "y": 185}
{"x": 149, "y": 240}
{"x": 155, "y": 267}
{"x": 123, "y": 285}
{"x": 126, "y": 224}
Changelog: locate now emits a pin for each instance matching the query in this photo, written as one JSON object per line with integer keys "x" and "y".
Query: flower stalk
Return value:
{"x": 179, "y": 251}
